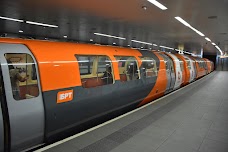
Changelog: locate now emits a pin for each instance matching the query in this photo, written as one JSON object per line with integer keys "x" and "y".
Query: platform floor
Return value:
{"x": 193, "y": 119}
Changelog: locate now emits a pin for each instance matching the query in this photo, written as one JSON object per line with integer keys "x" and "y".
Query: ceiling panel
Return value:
{"x": 80, "y": 19}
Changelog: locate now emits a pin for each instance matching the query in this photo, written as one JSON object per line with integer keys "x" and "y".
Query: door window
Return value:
{"x": 23, "y": 76}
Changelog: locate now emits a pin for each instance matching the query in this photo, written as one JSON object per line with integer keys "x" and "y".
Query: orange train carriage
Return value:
{"x": 71, "y": 87}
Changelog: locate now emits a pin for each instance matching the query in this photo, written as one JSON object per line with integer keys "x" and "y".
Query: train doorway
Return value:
{"x": 23, "y": 97}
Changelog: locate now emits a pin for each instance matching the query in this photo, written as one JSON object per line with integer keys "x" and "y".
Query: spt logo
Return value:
{"x": 65, "y": 96}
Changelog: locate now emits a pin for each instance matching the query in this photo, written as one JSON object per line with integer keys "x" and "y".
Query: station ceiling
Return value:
{"x": 130, "y": 19}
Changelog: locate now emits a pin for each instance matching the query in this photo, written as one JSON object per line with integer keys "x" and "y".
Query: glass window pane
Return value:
{"x": 23, "y": 76}
{"x": 128, "y": 68}
{"x": 105, "y": 68}
{"x": 95, "y": 70}
{"x": 86, "y": 64}
{"x": 149, "y": 68}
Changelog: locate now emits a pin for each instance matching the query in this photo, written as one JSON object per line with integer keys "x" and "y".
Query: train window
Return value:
{"x": 128, "y": 68}
{"x": 105, "y": 67}
{"x": 149, "y": 68}
{"x": 86, "y": 64}
{"x": 95, "y": 70}
{"x": 23, "y": 76}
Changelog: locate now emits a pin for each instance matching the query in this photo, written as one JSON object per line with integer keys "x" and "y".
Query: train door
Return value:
{"x": 23, "y": 96}
{"x": 178, "y": 80}
{"x": 191, "y": 68}
{"x": 169, "y": 72}
{"x": 195, "y": 69}
{"x": 1, "y": 119}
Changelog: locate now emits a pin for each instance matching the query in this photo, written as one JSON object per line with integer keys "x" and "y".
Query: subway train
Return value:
{"x": 50, "y": 90}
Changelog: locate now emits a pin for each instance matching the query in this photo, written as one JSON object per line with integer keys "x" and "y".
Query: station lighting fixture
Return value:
{"x": 207, "y": 39}
{"x": 213, "y": 43}
{"x": 167, "y": 47}
{"x": 219, "y": 50}
{"x": 155, "y": 45}
{"x": 20, "y": 31}
{"x": 159, "y": 5}
{"x": 91, "y": 40}
{"x": 114, "y": 43}
{"x": 65, "y": 36}
{"x": 188, "y": 25}
{"x": 111, "y": 36}
{"x": 198, "y": 32}
{"x": 41, "y": 24}
{"x": 11, "y": 19}
{"x": 182, "y": 21}
{"x": 136, "y": 41}
{"x": 188, "y": 53}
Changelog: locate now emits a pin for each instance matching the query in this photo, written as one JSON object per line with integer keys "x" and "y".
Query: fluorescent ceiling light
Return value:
{"x": 219, "y": 49}
{"x": 106, "y": 35}
{"x": 182, "y": 21}
{"x": 11, "y": 19}
{"x": 155, "y": 45}
{"x": 141, "y": 42}
{"x": 65, "y": 36}
{"x": 179, "y": 50}
{"x": 156, "y": 3}
{"x": 114, "y": 43}
{"x": 167, "y": 47}
{"x": 91, "y": 40}
{"x": 213, "y": 43}
{"x": 41, "y": 24}
{"x": 198, "y": 32}
{"x": 187, "y": 52}
{"x": 20, "y": 31}
{"x": 207, "y": 39}
{"x": 188, "y": 25}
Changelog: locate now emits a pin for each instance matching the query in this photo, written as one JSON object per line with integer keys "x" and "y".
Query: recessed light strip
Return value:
{"x": 11, "y": 19}
{"x": 188, "y": 25}
{"x": 167, "y": 47}
{"x": 187, "y": 52}
{"x": 197, "y": 31}
{"x": 106, "y": 35}
{"x": 213, "y": 43}
{"x": 141, "y": 42}
{"x": 182, "y": 21}
{"x": 219, "y": 49}
{"x": 207, "y": 39}
{"x": 155, "y": 45}
{"x": 159, "y": 5}
{"x": 41, "y": 24}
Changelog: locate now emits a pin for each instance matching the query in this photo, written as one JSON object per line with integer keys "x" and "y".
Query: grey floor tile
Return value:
{"x": 174, "y": 146}
{"x": 142, "y": 142}
{"x": 218, "y": 136}
{"x": 125, "y": 148}
{"x": 65, "y": 147}
{"x": 105, "y": 145}
{"x": 213, "y": 146}
{"x": 167, "y": 123}
{"x": 220, "y": 126}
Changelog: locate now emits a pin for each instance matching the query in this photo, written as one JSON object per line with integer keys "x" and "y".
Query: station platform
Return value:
{"x": 191, "y": 119}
